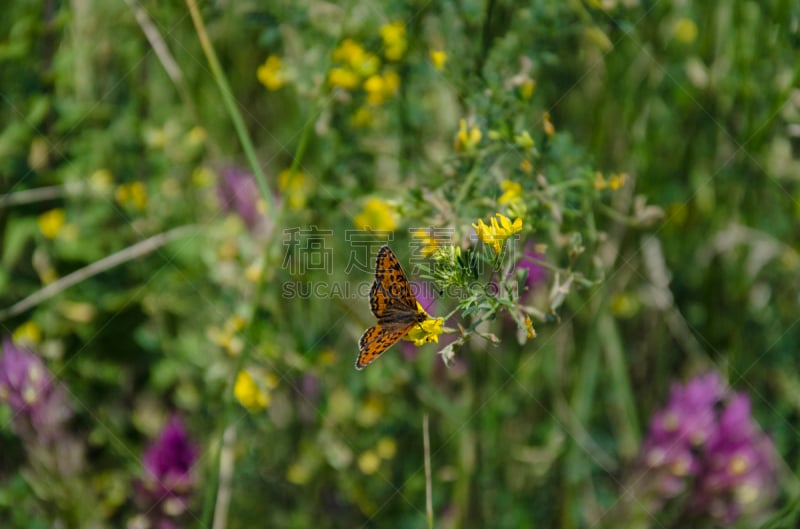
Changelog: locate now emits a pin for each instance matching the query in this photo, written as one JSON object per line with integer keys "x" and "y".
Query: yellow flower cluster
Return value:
{"x": 131, "y": 195}
{"x": 272, "y": 74}
{"x": 614, "y": 182}
{"x": 295, "y": 187}
{"x": 496, "y": 233}
{"x": 253, "y": 392}
{"x": 467, "y": 138}
{"x": 228, "y": 337}
{"x": 512, "y": 192}
{"x": 355, "y": 67}
{"x": 427, "y": 239}
{"x": 426, "y": 332}
{"x": 370, "y": 460}
{"x": 378, "y": 215}
{"x": 394, "y": 40}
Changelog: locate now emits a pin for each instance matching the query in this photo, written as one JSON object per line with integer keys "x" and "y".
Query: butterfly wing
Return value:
{"x": 390, "y": 296}
{"x": 378, "y": 339}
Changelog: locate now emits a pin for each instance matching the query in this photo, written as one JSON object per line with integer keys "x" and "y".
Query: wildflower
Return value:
{"x": 386, "y": 448}
{"x": 526, "y": 89}
{"x": 237, "y": 193}
{"x": 427, "y": 239}
{"x": 100, "y": 182}
{"x": 369, "y": 462}
{"x": 168, "y": 482}
{"x": 530, "y": 262}
{"x": 371, "y": 411}
{"x": 495, "y": 234}
{"x": 38, "y": 404}
{"x": 249, "y": 393}
{"x": 132, "y": 195}
{"x": 362, "y": 117}
{"x": 524, "y": 140}
{"x": 358, "y": 61}
{"x": 295, "y": 187}
{"x": 526, "y": 166}
{"x": 196, "y": 136}
{"x": 426, "y": 332}
{"x": 394, "y": 40}
{"x": 438, "y": 58}
{"x": 467, "y": 138}
{"x": 343, "y": 78}
{"x": 512, "y": 192}
{"x": 547, "y": 125}
{"x": 27, "y": 334}
{"x": 381, "y": 87}
{"x": 271, "y": 73}
{"x": 705, "y": 443}
{"x": 51, "y": 222}
{"x": 530, "y": 331}
{"x": 617, "y": 180}
{"x": 378, "y": 215}
{"x": 685, "y": 30}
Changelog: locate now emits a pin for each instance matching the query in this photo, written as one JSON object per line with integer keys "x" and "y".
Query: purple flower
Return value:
{"x": 238, "y": 193}
{"x": 704, "y": 442}
{"x": 537, "y": 274}
{"x": 165, "y": 490}
{"x": 169, "y": 459}
{"x": 39, "y": 404}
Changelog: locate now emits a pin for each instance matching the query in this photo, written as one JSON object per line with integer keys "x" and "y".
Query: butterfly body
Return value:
{"x": 393, "y": 304}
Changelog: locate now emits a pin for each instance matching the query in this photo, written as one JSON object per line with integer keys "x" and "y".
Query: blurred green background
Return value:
{"x": 651, "y": 149}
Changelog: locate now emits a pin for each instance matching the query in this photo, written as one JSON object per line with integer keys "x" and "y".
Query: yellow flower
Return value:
{"x": 526, "y": 89}
{"x": 685, "y": 30}
{"x": 249, "y": 394}
{"x": 438, "y": 58}
{"x": 467, "y": 138}
{"x": 271, "y": 73}
{"x": 394, "y": 40}
{"x": 617, "y": 180}
{"x": 524, "y": 140}
{"x": 361, "y": 117}
{"x": 132, "y": 194}
{"x": 377, "y": 215}
{"x": 100, "y": 182}
{"x": 381, "y": 87}
{"x": 298, "y": 474}
{"x": 547, "y": 125}
{"x": 29, "y": 333}
{"x": 371, "y": 411}
{"x": 512, "y": 192}
{"x": 526, "y": 166}
{"x": 599, "y": 181}
{"x": 386, "y": 447}
{"x": 343, "y": 78}
{"x": 426, "y": 332}
{"x": 530, "y": 331}
{"x": 51, "y": 222}
{"x": 196, "y": 136}
{"x": 358, "y": 62}
{"x": 427, "y": 239}
{"x": 496, "y": 233}
{"x": 369, "y": 462}
{"x": 295, "y": 187}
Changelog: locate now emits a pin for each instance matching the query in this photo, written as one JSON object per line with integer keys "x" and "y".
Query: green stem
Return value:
{"x": 230, "y": 106}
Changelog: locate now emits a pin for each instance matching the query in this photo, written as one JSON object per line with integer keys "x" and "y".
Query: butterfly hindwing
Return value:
{"x": 378, "y": 339}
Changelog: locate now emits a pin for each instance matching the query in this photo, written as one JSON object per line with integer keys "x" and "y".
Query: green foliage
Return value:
{"x": 649, "y": 151}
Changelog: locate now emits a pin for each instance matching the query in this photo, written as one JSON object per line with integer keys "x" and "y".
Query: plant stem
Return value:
{"x": 230, "y": 106}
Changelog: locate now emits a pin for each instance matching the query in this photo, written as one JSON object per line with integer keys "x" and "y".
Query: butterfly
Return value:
{"x": 395, "y": 306}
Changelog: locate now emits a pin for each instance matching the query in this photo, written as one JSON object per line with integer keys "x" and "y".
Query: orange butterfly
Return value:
{"x": 395, "y": 306}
